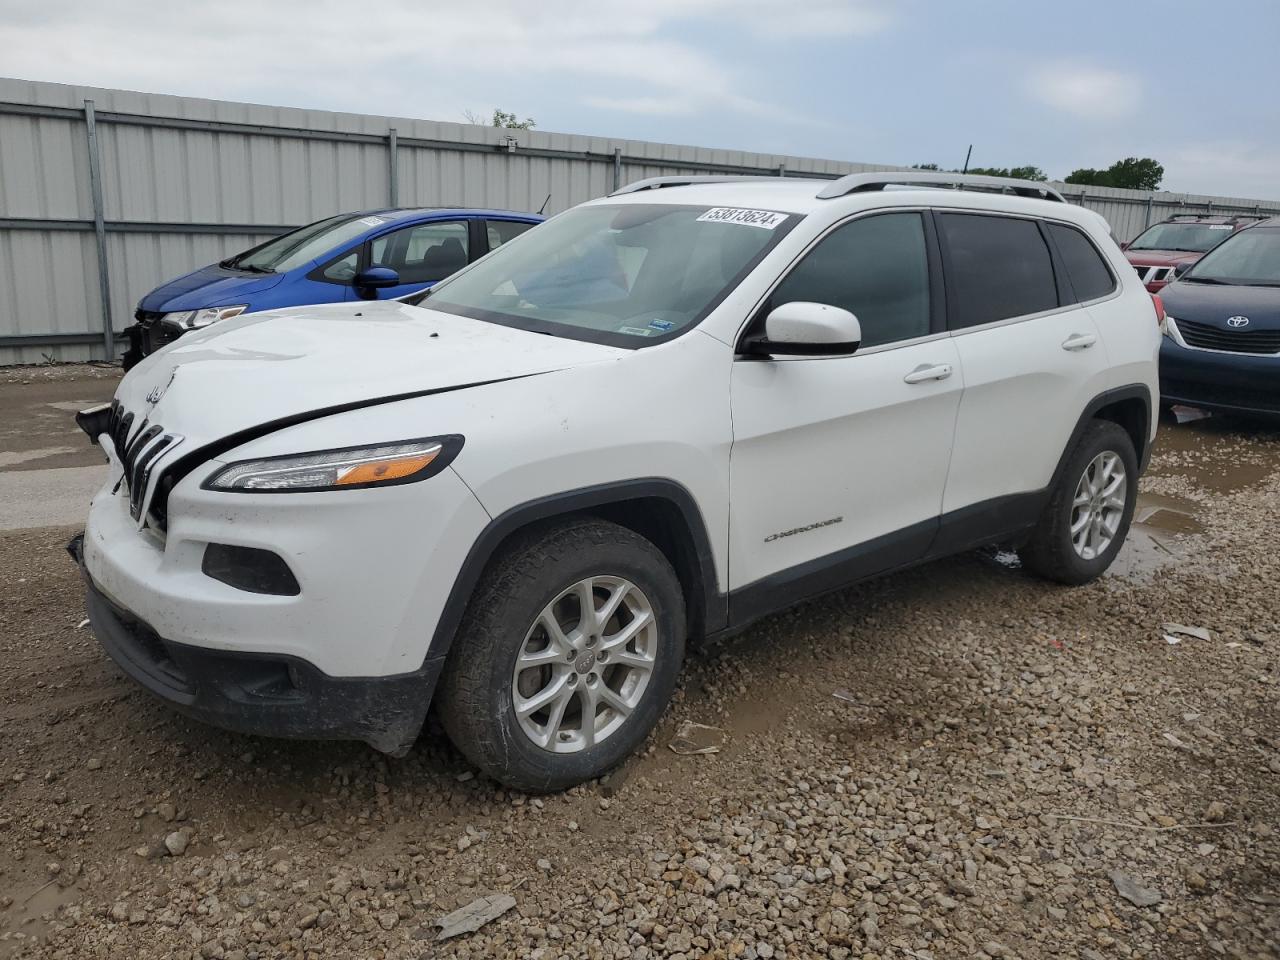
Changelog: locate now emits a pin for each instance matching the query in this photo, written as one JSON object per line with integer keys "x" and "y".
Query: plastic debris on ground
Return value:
{"x": 474, "y": 915}
{"x": 693, "y": 739}
{"x": 1175, "y": 632}
{"x": 1133, "y": 891}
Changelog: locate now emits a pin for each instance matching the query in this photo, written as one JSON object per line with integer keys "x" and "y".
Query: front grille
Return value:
{"x": 154, "y": 333}
{"x": 1207, "y": 337}
{"x": 138, "y": 451}
{"x": 1154, "y": 274}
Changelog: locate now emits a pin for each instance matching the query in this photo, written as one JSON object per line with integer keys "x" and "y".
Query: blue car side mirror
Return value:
{"x": 375, "y": 278}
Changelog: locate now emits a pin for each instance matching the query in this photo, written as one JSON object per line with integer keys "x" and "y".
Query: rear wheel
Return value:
{"x": 567, "y": 657}
{"x": 1089, "y": 511}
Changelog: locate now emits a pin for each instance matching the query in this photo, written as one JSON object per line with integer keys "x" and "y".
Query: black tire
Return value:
{"x": 1050, "y": 552}
{"x": 475, "y": 700}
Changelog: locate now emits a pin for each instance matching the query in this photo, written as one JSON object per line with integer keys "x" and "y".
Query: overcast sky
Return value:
{"x": 1192, "y": 83}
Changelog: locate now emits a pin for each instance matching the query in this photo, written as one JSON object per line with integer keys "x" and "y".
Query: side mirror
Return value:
{"x": 804, "y": 329}
{"x": 375, "y": 278}
{"x": 1180, "y": 268}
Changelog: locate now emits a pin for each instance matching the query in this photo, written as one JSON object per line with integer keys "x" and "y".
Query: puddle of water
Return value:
{"x": 1218, "y": 454}
{"x": 25, "y": 915}
{"x": 1166, "y": 514}
{"x": 1160, "y": 524}
{"x": 1142, "y": 555}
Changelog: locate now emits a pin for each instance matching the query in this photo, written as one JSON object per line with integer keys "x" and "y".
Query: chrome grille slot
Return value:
{"x": 1208, "y": 337}
{"x": 138, "y": 455}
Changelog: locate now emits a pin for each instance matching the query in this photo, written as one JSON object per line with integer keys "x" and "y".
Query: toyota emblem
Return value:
{"x": 1238, "y": 321}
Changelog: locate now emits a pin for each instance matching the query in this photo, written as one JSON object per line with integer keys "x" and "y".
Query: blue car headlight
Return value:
{"x": 195, "y": 319}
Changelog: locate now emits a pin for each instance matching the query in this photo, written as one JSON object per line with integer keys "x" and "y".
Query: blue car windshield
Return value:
{"x": 303, "y": 245}
{"x": 616, "y": 274}
{"x": 1251, "y": 257}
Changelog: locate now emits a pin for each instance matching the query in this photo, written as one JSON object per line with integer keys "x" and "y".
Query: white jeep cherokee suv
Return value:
{"x": 658, "y": 416}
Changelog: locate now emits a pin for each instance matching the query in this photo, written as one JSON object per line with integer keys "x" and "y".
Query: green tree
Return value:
{"x": 1017, "y": 173}
{"x": 501, "y": 119}
{"x": 1132, "y": 173}
{"x": 508, "y": 121}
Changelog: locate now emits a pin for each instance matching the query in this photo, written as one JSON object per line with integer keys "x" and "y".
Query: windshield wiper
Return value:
{"x": 254, "y": 268}
{"x": 1205, "y": 280}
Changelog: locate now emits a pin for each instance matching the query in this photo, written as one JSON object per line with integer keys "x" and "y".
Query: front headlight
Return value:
{"x": 195, "y": 319}
{"x": 1170, "y": 327}
{"x": 350, "y": 468}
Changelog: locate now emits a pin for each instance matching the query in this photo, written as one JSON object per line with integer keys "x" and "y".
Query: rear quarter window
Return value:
{"x": 1087, "y": 270}
{"x": 997, "y": 268}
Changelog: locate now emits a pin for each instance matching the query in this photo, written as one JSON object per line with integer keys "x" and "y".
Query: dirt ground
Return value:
{"x": 959, "y": 761}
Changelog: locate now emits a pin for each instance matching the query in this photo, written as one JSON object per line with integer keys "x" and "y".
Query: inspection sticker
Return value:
{"x": 765, "y": 219}
{"x": 373, "y": 221}
{"x": 1219, "y": 226}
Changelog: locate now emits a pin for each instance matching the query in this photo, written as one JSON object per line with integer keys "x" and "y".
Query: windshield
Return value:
{"x": 615, "y": 274}
{"x": 1191, "y": 237}
{"x": 303, "y": 245}
{"x": 1251, "y": 257}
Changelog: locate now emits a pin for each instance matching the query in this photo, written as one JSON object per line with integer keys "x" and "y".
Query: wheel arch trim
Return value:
{"x": 714, "y": 607}
{"x": 1132, "y": 391}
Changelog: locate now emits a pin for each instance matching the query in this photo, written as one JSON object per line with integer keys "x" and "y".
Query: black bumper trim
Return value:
{"x": 274, "y": 695}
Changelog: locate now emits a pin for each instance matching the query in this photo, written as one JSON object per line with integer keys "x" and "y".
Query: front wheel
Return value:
{"x": 1087, "y": 518}
{"x": 567, "y": 656}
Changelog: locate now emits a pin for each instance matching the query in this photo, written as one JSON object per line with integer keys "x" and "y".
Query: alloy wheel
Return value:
{"x": 1098, "y": 506}
{"x": 585, "y": 664}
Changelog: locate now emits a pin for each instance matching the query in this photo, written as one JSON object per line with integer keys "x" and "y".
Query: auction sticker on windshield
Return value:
{"x": 765, "y": 219}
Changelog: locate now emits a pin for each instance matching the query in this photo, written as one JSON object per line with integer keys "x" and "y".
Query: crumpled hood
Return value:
{"x": 263, "y": 367}
{"x": 211, "y": 286}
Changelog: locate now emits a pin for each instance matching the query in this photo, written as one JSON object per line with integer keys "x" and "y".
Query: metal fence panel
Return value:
{"x": 185, "y": 182}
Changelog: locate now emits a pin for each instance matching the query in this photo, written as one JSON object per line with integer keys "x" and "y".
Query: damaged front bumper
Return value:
{"x": 266, "y": 694}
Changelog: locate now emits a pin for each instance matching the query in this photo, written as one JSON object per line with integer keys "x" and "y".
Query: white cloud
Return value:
{"x": 1229, "y": 168}
{"x": 411, "y": 57}
{"x": 1092, "y": 92}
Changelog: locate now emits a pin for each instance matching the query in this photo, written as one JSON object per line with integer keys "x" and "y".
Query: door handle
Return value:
{"x": 1079, "y": 341}
{"x": 928, "y": 371}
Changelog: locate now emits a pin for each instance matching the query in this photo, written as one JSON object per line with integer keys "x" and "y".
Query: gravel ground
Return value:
{"x": 959, "y": 761}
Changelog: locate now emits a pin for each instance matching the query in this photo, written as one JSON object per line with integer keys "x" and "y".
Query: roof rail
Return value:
{"x": 1221, "y": 216}
{"x": 657, "y": 183}
{"x": 866, "y": 182}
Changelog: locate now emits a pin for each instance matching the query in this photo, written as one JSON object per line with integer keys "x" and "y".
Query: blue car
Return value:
{"x": 373, "y": 255}
{"x": 1222, "y": 345}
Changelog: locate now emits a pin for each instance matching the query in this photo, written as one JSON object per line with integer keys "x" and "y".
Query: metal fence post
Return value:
{"x": 99, "y": 229}
{"x": 617, "y": 168}
{"x": 393, "y": 168}
{"x": 1150, "y": 200}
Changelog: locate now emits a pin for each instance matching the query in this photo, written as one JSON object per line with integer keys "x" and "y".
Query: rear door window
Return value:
{"x": 997, "y": 268}
{"x": 1088, "y": 272}
{"x": 500, "y": 231}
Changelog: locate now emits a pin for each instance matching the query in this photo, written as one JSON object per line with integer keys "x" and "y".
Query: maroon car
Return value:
{"x": 1182, "y": 239}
